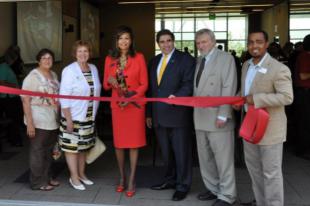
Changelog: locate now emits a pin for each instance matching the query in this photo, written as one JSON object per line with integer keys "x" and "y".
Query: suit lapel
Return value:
{"x": 129, "y": 61}
{"x": 259, "y": 75}
{"x": 209, "y": 67}
{"x": 199, "y": 59}
{"x": 154, "y": 69}
{"x": 169, "y": 68}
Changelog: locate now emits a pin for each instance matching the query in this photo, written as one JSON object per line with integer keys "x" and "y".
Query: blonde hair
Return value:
{"x": 81, "y": 43}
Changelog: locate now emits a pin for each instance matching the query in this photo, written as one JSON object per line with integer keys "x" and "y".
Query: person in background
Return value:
{"x": 298, "y": 48}
{"x": 186, "y": 50}
{"x": 287, "y": 49}
{"x": 276, "y": 52}
{"x": 10, "y": 105}
{"x": 125, "y": 73}
{"x": 302, "y": 103}
{"x": 42, "y": 121}
{"x": 77, "y": 124}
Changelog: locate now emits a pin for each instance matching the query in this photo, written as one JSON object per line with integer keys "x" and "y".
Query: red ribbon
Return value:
{"x": 182, "y": 101}
{"x": 252, "y": 126}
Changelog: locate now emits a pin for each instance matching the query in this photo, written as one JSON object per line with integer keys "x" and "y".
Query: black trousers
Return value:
{"x": 176, "y": 148}
{"x": 11, "y": 108}
{"x": 302, "y": 118}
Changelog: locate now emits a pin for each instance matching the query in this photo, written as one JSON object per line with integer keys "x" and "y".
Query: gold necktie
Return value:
{"x": 162, "y": 69}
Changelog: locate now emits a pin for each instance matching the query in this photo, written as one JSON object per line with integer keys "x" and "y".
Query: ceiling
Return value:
{"x": 210, "y": 6}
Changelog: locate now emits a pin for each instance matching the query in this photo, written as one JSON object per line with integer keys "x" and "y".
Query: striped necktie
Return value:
{"x": 162, "y": 69}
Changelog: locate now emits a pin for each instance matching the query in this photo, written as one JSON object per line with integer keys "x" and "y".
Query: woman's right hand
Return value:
{"x": 113, "y": 82}
{"x": 69, "y": 126}
{"x": 31, "y": 131}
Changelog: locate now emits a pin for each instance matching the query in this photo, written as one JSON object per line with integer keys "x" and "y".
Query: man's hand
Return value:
{"x": 171, "y": 96}
{"x": 149, "y": 122}
{"x": 220, "y": 123}
{"x": 249, "y": 99}
{"x": 236, "y": 107}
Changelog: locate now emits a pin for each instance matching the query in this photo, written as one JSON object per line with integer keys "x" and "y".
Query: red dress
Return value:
{"x": 128, "y": 122}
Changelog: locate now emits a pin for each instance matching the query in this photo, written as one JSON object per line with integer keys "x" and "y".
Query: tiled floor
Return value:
{"x": 104, "y": 173}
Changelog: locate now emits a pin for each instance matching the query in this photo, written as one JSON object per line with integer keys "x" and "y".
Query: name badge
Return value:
{"x": 262, "y": 70}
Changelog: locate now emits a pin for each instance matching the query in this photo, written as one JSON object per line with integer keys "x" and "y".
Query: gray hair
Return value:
{"x": 208, "y": 32}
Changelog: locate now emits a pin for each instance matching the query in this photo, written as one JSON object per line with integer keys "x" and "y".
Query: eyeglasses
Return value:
{"x": 46, "y": 58}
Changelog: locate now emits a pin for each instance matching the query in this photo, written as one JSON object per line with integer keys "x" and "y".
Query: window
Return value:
{"x": 236, "y": 34}
{"x": 299, "y": 26}
{"x": 230, "y": 28}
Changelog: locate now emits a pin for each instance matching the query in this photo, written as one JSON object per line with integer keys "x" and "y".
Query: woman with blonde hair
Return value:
{"x": 77, "y": 125}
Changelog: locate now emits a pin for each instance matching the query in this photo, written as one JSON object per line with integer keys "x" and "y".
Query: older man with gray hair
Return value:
{"x": 215, "y": 76}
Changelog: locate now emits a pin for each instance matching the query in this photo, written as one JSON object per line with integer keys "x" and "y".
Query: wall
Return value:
{"x": 7, "y": 26}
{"x": 8, "y": 34}
{"x": 70, "y": 9}
{"x": 254, "y": 22}
{"x": 140, "y": 18}
{"x": 275, "y": 22}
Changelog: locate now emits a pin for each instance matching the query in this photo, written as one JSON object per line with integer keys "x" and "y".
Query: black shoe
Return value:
{"x": 179, "y": 195}
{"x": 163, "y": 186}
{"x": 252, "y": 203}
{"x": 220, "y": 202}
{"x": 206, "y": 196}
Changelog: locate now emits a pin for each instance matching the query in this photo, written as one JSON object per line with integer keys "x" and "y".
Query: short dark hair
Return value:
{"x": 164, "y": 32}
{"x": 306, "y": 43}
{"x": 44, "y": 51}
{"x": 115, "y": 52}
{"x": 260, "y": 31}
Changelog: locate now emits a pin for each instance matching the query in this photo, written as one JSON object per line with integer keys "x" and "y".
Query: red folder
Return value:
{"x": 254, "y": 125}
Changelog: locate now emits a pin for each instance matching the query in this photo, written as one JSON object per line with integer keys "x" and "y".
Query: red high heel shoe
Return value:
{"x": 131, "y": 193}
{"x": 120, "y": 188}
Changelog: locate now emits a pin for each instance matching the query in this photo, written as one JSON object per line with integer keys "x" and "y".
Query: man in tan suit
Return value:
{"x": 266, "y": 83}
{"x": 215, "y": 76}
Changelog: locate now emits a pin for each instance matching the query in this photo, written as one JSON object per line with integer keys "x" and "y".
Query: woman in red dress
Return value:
{"x": 125, "y": 72}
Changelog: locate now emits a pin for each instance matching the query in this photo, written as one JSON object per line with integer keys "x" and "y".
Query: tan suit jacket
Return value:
{"x": 271, "y": 89}
{"x": 219, "y": 78}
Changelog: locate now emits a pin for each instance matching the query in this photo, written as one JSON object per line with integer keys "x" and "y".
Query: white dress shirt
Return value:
{"x": 250, "y": 75}
{"x": 161, "y": 60}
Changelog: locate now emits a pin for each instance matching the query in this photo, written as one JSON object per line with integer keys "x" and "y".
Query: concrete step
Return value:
{"x": 40, "y": 203}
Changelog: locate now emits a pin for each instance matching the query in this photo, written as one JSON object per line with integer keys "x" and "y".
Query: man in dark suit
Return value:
{"x": 171, "y": 75}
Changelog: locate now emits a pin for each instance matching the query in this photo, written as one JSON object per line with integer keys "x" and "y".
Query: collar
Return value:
{"x": 260, "y": 62}
{"x": 169, "y": 55}
{"x": 208, "y": 56}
